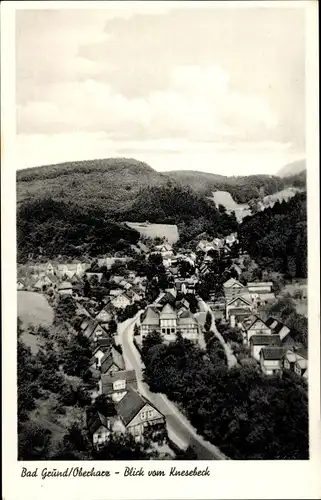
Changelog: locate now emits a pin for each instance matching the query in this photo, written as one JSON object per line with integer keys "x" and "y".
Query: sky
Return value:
{"x": 220, "y": 90}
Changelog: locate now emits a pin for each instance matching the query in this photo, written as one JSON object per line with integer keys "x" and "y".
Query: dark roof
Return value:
{"x": 107, "y": 380}
{"x": 95, "y": 420}
{"x": 273, "y": 353}
{"x": 265, "y": 340}
{"x": 128, "y": 407}
{"x": 278, "y": 326}
{"x": 111, "y": 357}
{"x": 103, "y": 342}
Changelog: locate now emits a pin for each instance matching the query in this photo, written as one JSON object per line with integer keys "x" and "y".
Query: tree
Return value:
{"x": 136, "y": 330}
{"x": 124, "y": 447}
{"x": 105, "y": 405}
{"x": 33, "y": 442}
{"x": 152, "y": 339}
{"x": 208, "y": 321}
{"x": 87, "y": 288}
{"x": 112, "y": 327}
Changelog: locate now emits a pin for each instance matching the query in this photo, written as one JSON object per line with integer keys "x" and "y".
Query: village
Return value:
{"x": 120, "y": 308}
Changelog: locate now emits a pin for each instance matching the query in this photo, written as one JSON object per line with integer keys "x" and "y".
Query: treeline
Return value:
{"x": 244, "y": 413}
{"x": 48, "y": 228}
{"x": 277, "y": 237}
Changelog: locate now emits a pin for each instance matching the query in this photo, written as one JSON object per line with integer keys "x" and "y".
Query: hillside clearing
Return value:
{"x": 167, "y": 231}
{"x": 33, "y": 309}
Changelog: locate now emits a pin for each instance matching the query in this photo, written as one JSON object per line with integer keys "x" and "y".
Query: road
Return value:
{"x": 231, "y": 359}
{"x": 180, "y": 431}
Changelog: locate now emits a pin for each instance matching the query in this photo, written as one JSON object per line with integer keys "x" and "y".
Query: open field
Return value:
{"x": 33, "y": 309}
{"x": 168, "y": 231}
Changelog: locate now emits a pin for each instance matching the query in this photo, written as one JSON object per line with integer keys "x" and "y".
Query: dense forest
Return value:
{"x": 47, "y": 228}
{"x": 172, "y": 204}
{"x": 246, "y": 414}
{"x": 277, "y": 237}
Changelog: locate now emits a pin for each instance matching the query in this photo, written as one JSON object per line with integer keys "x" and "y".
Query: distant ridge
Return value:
{"x": 293, "y": 168}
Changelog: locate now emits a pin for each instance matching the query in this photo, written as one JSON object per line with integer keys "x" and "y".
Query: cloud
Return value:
{"x": 197, "y": 103}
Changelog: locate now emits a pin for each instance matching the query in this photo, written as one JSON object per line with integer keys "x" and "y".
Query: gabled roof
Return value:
{"x": 91, "y": 327}
{"x": 187, "y": 318}
{"x": 271, "y": 340}
{"x": 302, "y": 363}
{"x": 150, "y": 316}
{"x": 65, "y": 285}
{"x": 167, "y": 312}
{"x": 241, "y": 298}
{"x": 232, "y": 282}
{"x": 103, "y": 342}
{"x": 95, "y": 421}
{"x": 272, "y": 353}
{"x": 128, "y": 407}
{"x": 107, "y": 380}
{"x": 112, "y": 357}
{"x": 256, "y": 320}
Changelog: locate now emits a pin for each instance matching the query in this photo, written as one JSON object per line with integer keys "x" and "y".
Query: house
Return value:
{"x": 258, "y": 342}
{"x": 149, "y": 321}
{"x": 99, "y": 352}
{"x": 168, "y": 297}
{"x": 232, "y": 288}
{"x": 238, "y": 304}
{"x": 204, "y": 269}
{"x": 142, "y": 247}
{"x": 115, "y": 292}
{"x": 168, "y": 322}
{"x": 133, "y": 295}
{"x": 121, "y": 301}
{"x": 112, "y": 361}
{"x": 91, "y": 329}
{"x": 255, "y": 326}
{"x": 106, "y": 314}
{"x": 65, "y": 288}
{"x": 139, "y": 415}
{"x": 95, "y": 276}
{"x": 20, "y": 284}
{"x": 165, "y": 250}
{"x": 296, "y": 360}
{"x": 101, "y": 426}
{"x": 70, "y": 270}
{"x": 271, "y": 360}
{"x": 277, "y": 327}
{"x": 260, "y": 287}
{"x": 117, "y": 384}
{"x": 205, "y": 246}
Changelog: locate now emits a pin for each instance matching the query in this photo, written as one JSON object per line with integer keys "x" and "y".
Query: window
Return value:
{"x": 168, "y": 331}
{"x": 150, "y": 414}
{"x": 173, "y": 330}
{"x": 143, "y": 415}
{"x": 163, "y": 330}
{"x": 119, "y": 384}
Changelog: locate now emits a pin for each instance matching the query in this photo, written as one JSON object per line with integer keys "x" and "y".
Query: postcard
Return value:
{"x": 160, "y": 229}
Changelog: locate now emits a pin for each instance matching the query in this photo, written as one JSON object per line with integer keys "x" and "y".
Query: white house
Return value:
{"x": 121, "y": 301}
{"x": 271, "y": 360}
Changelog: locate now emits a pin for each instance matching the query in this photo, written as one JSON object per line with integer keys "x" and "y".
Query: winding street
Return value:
{"x": 231, "y": 359}
{"x": 180, "y": 431}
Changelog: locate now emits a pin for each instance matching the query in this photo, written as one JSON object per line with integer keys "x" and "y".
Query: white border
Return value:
{"x": 231, "y": 479}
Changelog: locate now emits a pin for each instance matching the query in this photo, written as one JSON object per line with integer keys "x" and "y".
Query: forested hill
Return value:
{"x": 48, "y": 228}
{"x": 242, "y": 188}
{"x": 109, "y": 184}
{"x": 277, "y": 237}
{"x": 113, "y": 184}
